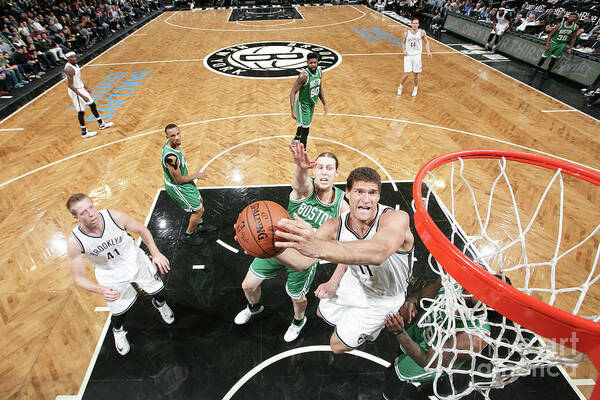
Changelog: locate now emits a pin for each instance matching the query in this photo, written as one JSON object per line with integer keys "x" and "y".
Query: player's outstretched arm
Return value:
{"x": 302, "y": 187}
{"x": 131, "y": 225}
{"x": 389, "y": 238}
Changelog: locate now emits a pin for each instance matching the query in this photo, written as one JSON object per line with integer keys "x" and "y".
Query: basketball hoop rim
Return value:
{"x": 534, "y": 314}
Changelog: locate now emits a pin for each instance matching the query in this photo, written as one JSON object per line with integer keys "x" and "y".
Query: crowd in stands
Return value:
{"x": 35, "y": 35}
{"x": 536, "y": 19}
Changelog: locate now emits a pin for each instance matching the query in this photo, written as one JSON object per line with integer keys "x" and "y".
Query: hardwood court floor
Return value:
{"x": 233, "y": 127}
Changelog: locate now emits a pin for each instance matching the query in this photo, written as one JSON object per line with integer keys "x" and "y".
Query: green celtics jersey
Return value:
{"x": 309, "y": 92}
{"x": 313, "y": 210}
{"x": 166, "y": 150}
{"x": 406, "y": 368}
{"x": 563, "y": 34}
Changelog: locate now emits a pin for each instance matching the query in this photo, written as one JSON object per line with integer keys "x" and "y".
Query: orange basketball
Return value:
{"x": 255, "y": 228}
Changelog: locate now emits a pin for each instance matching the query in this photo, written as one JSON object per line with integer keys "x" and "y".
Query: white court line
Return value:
{"x": 553, "y": 111}
{"x": 101, "y": 309}
{"x": 88, "y": 373}
{"x": 83, "y": 66}
{"x": 147, "y": 62}
{"x": 570, "y": 381}
{"x": 584, "y": 382}
{"x": 263, "y": 30}
{"x": 287, "y": 113}
{"x": 289, "y": 353}
{"x": 286, "y": 23}
{"x": 12, "y": 129}
{"x": 313, "y": 138}
{"x": 486, "y": 61}
{"x": 508, "y": 76}
{"x": 394, "y": 54}
{"x": 228, "y": 247}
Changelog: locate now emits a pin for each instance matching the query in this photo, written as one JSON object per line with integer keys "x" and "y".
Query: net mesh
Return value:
{"x": 517, "y": 226}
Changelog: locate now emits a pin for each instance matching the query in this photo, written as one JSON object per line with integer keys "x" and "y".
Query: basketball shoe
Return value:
{"x": 121, "y": 342}
{"x": 245, "y": 315}
{"x": 165, "y": 312}
{"x": 294, "y": 330}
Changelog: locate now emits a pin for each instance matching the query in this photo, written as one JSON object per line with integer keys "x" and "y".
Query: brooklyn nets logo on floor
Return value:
{"x": 268, "y": 60}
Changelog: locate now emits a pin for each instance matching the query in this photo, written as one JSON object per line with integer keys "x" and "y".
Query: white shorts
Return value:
{"x": 499, "y": 29}
{"x": 357, "y": 317}
{"x": 146, "y": 278}
{"x": 413, "y": 64}
{"x": 78, "y": 102}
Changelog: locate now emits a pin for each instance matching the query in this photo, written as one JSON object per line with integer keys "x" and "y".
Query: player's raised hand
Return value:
{"x": 110, "y": 293}
{"x": 299, "y": 235}
{"x": 300, "y": 156}
{"x": 161, "y": 263}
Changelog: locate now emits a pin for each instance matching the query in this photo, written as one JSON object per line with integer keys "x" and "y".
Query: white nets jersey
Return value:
{"x": 388, "y": 279}
{"x": 77, "y": 82}
{"x": 414, "y": 43}
{"x": 113, "y": 254}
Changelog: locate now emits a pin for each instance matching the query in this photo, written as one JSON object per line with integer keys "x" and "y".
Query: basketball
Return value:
{"x": 255, "y": 228}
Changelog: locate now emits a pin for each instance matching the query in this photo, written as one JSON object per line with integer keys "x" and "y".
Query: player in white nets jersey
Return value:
{"x": 103, "y": 238}
{"x": 413, "y": 48}
{"x": 80, "y": 96}
{"x": 373, "y": 245}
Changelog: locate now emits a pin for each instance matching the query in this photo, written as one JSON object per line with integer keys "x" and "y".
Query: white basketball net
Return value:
{"x": 502, "y": 230}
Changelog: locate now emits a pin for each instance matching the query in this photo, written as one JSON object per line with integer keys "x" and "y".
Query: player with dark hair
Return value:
{"x": 180, "y": 185}
{"x": 79, "y": 94}
{"x": 102, "y": 236}
{"x": 557, "y": 41}
{"x": 310, "y": 88}
{"x": 315, "y": 200}
{"x": 373, "y": 246}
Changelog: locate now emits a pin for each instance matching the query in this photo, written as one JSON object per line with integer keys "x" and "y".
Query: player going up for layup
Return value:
{"x": 315, "y": 200}
{"x": 309, "y": 85}
{"x": 373, "y": 245}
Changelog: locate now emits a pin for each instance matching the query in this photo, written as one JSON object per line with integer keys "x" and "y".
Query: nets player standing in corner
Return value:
{"x": 310, "y": 88}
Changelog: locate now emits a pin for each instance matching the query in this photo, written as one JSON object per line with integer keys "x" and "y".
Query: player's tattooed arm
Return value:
{"x": 172, "y": 161}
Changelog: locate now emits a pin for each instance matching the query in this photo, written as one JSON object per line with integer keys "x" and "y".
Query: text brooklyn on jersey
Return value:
{"x": 269, "y": 59}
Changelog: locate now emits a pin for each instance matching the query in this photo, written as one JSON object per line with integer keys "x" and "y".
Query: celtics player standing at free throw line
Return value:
{"x": 315, "y": 200}
{"x": 310, "y": 91}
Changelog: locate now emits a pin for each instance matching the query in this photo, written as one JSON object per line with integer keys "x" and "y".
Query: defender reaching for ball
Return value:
{"x": 374, "y": 247}
{"x": 315, "y": 200}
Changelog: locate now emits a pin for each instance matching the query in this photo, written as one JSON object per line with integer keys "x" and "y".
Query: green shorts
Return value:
{"x": 187, "y": 196}
{"x": 556, "y": 50}
{"x": 298, "y": 283}
{"x": 304, "y": 113}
